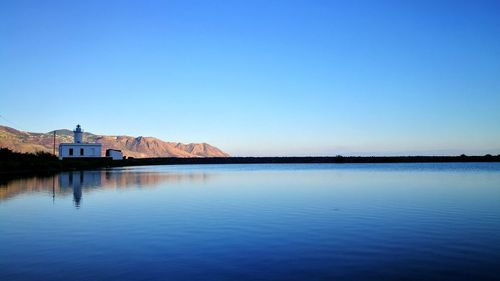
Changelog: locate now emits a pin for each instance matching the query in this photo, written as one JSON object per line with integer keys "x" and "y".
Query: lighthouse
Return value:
{"x": 79, "y": 149}
{"x": 78, "y": 134}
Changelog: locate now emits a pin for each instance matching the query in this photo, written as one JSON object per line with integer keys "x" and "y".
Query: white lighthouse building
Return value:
{"x": 79, "y": 149}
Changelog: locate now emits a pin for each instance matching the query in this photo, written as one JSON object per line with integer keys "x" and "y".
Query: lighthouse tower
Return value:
{"x": 78, "y": 134}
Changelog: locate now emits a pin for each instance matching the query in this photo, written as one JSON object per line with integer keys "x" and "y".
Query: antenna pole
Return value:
{"x": 54, "y": 148}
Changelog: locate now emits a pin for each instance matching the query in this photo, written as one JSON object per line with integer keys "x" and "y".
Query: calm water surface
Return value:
{"x": 255, "y": 222}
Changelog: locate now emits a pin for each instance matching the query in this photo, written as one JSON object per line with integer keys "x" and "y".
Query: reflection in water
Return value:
{"x": 255, "y": 222}
{"x": 79, "y": 182}
{"x": 78, "y": 179}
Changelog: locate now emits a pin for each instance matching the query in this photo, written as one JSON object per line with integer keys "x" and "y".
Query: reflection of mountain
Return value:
{"x": 73, "y": 182}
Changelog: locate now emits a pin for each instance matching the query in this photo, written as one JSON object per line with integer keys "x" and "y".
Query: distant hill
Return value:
{"x": 138, "y": 147}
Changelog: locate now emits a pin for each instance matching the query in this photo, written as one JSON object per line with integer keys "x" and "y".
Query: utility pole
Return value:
{"x": 54, "y": 148}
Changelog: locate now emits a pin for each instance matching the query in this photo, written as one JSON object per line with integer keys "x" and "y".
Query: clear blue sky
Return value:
{"x": 259, "y": 77}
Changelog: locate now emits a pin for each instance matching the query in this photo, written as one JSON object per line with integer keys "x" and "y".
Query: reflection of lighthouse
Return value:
{"x": 77, "y": 189}
{"x": 78, "y": 180}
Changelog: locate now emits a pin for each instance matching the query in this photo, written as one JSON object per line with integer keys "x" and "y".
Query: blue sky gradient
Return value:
{"x": 259, "y": 77}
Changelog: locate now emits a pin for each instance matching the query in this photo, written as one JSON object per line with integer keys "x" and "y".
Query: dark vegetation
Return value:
{"x": 27, "y": 163}
{"x": 15, "y": 163}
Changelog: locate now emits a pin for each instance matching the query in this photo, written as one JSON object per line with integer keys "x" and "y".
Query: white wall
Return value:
{"x": 116, "y": 155}
{"x": 89, "y": 150}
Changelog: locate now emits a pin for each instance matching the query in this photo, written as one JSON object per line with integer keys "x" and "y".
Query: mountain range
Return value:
{"x": 138, "y": 147}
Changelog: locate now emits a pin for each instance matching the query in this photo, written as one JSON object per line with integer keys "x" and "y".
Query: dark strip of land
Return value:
{"x": 27, "y": 163}
{"x": 298, "y": 160}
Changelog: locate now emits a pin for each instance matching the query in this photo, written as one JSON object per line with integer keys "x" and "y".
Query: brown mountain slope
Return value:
{"x": 130, "y": 146}
{"x": 200, "y": 149}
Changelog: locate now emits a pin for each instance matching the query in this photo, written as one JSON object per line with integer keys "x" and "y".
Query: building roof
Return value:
{"x": 80, "y": 144}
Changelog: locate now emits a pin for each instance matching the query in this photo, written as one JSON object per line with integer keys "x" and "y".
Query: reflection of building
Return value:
{"x": 83, "y": 178}
{"x": 78, "y": 179}
{"x": 78, "y": 148}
